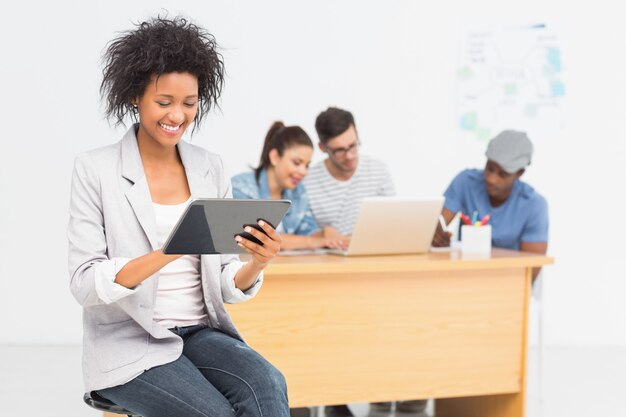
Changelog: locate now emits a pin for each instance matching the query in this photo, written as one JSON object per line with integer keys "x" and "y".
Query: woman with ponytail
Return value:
{"x": 284, "y": 162}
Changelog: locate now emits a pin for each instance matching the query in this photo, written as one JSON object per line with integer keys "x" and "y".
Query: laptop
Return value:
{"x": 391, "y": 225}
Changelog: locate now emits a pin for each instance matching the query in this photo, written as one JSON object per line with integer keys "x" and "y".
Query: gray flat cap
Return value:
{"x": 511, "y": 150}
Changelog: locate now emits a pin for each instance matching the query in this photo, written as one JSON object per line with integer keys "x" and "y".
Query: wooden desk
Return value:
{"x": 397, "y": 328}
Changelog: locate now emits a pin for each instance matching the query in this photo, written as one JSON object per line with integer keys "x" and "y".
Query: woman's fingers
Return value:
{"x": 269, "y": 238}
{"x": 254, "y": 249}
{"x": 270, "y": 231}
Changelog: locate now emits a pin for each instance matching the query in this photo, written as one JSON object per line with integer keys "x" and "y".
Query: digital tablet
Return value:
{"x": 209, "y": 225}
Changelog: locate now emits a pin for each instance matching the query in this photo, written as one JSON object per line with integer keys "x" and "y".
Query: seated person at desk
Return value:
{"x": 518, "y": 214}
{"x": 284, "y": 163}
{"x": 336, "y": 187}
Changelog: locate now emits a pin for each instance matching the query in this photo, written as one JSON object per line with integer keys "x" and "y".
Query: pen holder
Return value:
{"x": 476, "y": 240}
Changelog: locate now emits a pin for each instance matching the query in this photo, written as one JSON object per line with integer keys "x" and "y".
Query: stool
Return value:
{"x": 93, "y": 400}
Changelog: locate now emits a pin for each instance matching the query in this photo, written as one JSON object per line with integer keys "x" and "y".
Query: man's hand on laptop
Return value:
{"x": 334, "y": 239}
{"x": 338, "y": 242}
{"x": 441, "y": 238}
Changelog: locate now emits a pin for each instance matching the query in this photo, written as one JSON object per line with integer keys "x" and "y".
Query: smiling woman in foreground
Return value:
{"x": 157, "y": 338}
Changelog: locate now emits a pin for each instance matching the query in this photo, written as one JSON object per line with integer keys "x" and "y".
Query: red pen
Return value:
{"x": 485, "y": 220}
{"x": 465, "y": 219}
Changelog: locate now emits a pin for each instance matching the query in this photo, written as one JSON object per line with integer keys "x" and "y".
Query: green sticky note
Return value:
{"x": 510, "y": 89}
{"x": 469, "y": 121}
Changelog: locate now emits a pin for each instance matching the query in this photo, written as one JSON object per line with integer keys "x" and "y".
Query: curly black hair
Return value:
{"x": 155, "y": 47}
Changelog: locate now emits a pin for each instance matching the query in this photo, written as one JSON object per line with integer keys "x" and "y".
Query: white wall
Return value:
{"x": 392, "y": 63}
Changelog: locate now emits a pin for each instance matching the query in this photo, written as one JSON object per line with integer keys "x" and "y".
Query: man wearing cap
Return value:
{"x": 518, "y": 214}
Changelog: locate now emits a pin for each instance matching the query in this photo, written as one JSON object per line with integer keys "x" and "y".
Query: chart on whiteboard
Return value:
{"x": 510, "y": 78}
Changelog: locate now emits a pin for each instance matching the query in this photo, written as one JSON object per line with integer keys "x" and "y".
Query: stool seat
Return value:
{"x": 93, "y": 400}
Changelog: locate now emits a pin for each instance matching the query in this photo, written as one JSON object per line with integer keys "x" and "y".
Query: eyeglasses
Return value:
{"x": 341, "y": 152}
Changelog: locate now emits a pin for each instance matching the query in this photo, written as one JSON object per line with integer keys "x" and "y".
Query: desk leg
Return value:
{"x": 504, "y": 405}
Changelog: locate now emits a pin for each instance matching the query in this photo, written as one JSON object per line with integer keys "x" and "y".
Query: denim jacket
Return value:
{"x": 299, "y": 219}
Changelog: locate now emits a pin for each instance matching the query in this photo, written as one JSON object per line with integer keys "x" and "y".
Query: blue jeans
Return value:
{"x": 216, "y": 376}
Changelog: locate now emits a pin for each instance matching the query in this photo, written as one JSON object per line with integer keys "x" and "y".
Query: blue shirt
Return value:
{"x": 299, "y": 219}
{"x": 522, "y": 218}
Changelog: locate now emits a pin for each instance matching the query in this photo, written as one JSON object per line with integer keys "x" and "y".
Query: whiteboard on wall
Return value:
{"x": 509, "y": 77}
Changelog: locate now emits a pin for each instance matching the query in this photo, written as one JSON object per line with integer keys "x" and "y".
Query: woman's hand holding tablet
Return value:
{"x": 262, "y": 244}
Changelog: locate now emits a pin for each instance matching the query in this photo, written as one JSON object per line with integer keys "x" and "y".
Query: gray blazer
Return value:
{"x": 111, "y": 216}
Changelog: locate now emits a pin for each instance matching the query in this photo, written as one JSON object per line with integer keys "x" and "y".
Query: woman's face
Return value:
{"x": 292, "y": 167}
{"x": 167, "y": 107}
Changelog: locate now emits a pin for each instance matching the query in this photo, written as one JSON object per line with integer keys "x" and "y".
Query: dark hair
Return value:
{"x": 155, "y": 47}
{"x": 332, "y": 122}
{"x": 281, "y": 137}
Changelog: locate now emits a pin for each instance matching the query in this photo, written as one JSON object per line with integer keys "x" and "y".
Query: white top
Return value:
{"x": 112, "y": 222}
{"x": 336, "y": 203}
{"x": 109, "y": 291}
{"x": 179, "y": 299}
{"x": 179, "y": 293}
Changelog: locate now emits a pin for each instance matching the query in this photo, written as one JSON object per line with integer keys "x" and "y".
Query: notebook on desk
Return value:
{"x": 389, "y": 225}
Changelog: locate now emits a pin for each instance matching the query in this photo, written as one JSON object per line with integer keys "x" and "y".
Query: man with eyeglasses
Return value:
{"x": 337, "y": 185}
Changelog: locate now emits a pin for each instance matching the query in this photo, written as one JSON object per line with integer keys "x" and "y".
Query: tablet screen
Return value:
{"x": 209, "y": 225}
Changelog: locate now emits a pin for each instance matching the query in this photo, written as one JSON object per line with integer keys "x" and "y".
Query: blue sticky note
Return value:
{"x": 558, "y": 88}
{"x": 554, "y": 59}
{"x": 469, "y": 121}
